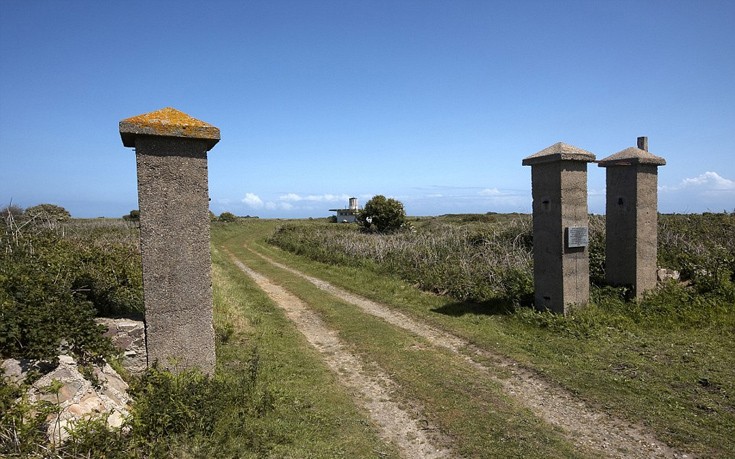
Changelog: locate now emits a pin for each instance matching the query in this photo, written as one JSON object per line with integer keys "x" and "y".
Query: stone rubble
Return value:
{"x": 77, "y": 397}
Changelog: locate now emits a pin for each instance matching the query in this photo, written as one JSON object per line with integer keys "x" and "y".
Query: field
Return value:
{"x": 438, "y": 318}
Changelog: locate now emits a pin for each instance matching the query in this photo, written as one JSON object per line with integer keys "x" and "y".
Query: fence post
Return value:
{"x": 631, "y": 221}
{"x": 560, "y": 227}
{"x": 171, "y": 156}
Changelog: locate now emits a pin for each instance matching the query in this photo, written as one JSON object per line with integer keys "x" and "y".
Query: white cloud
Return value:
{"x": 252, "y": 200}
{"x": 293, "y": 197}
{"x": 491, "y": 192}
{"x": 709, "y": 181}
{"x": 435, "y": 195}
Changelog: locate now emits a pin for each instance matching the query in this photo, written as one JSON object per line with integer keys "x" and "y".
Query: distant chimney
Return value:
{"x": 643, "y": 143}
{"x": 353, "y": 204}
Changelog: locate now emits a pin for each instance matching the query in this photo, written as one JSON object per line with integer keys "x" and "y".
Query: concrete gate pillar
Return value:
{"x": 560, "y": 227}
{"x": 171, "y": 155}
{"x": 631, "y": 220}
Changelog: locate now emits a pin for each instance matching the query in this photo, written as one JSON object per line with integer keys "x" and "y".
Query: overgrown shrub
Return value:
{"x": 596, "y": 250}
{"x": 190, "y": 404}
{"x": 133, "y": 216}
{"x": 53, "y": 282}
{"x": 702, "y": 248}
{"x": 40, "y": 315}
{"x": 48, "y": 212}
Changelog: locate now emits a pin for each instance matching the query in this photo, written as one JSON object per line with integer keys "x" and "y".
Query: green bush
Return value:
{"x": 227, "y": 217}
{"x": 383, "y": 215}
{"x": 54, "y": 282}
{"x": 48, "y": 212}
{"x": 133, "y": 216}
{"x": 40, "y": 314}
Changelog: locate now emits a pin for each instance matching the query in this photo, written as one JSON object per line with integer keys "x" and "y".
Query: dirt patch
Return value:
{"x": 584, "y": 426}
{"x": 409, "y": 431}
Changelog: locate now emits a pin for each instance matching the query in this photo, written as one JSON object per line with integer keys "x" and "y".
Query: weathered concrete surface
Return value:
{"x": 171, "y": 155}
{"x": 559, "y": 188}
{"x": 632, "y": 218}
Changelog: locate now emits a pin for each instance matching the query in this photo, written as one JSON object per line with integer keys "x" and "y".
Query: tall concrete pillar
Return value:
{"x": 631, "y": 220}
{"x": 560, "y": 227}
{"x": 171, "y": 155}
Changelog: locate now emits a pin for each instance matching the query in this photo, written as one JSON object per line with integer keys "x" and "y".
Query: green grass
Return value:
{"x": 313, "y": 417}
{"x": 675, "y": 376}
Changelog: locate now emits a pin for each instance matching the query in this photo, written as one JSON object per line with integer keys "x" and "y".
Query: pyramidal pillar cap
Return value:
{"x": 559, "y": 152}
{"x": 167, "y": 122}
{"x": 630, "y": 157}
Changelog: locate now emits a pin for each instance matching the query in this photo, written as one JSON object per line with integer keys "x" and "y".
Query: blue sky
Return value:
{"x": 434, "y": 103}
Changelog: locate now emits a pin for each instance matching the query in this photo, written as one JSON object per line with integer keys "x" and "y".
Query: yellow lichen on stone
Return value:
{"x": 167, "y": 122}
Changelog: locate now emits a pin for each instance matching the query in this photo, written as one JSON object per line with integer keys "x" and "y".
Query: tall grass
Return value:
{"x": 475, "y": 262}
{"x": 492, "y": 260}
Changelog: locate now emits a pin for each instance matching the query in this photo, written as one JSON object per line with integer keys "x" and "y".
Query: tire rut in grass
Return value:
{"x": 584, "y": 426}
{"x": 373, "y": 390}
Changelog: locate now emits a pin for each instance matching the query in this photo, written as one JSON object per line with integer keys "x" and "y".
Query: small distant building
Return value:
{"x": 349, "y": 214}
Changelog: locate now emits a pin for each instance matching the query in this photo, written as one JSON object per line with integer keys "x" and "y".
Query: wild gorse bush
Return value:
{"x": 473, "y": 262}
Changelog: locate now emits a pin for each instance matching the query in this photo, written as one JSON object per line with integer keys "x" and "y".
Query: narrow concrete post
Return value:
{"x": 171, "y": 155}
{"x": 631, "y": 221}
{"x": 560, "y": 227}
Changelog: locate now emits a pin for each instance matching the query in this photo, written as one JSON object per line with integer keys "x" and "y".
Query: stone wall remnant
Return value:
{"x": 128, "y": 337}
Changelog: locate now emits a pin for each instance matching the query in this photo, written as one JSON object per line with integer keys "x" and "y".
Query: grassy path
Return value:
{"x": 583, "y": 425}
{"x": 373, "y": 390}
{"x": 480, "y": 403}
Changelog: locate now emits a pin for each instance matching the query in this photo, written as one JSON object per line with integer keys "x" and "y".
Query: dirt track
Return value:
{"x": 373, "y": 391}
{"x": 583, "y": 426}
